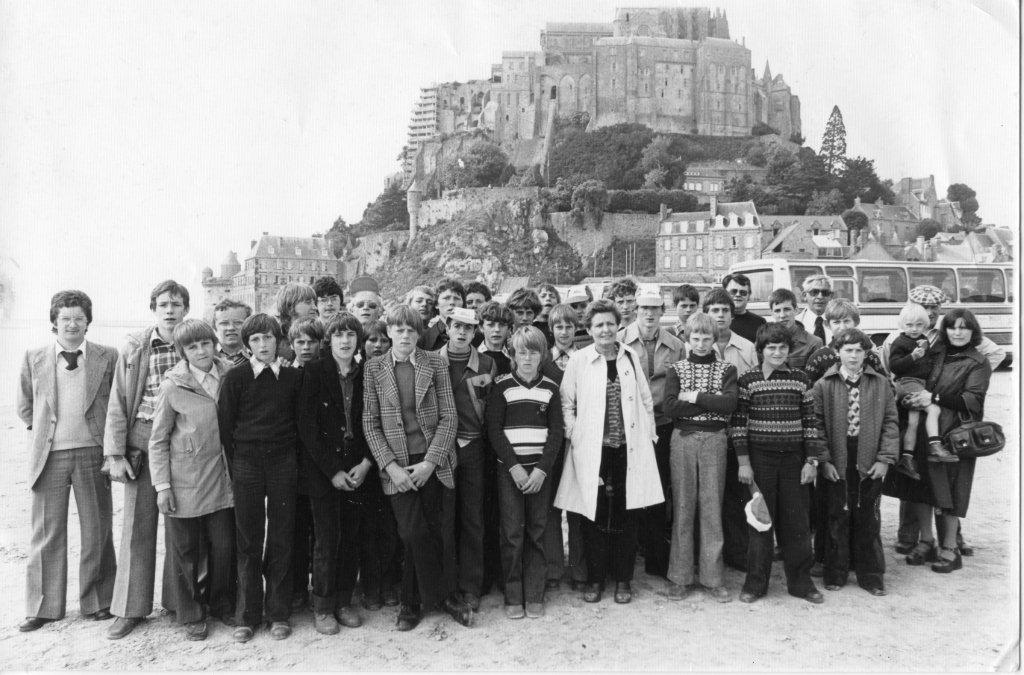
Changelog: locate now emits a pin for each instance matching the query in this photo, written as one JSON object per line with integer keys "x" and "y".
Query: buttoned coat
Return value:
{"x": 184, "y": 446}
{"x": 479, "y": 373}
{"x": 126, "y": 391}
{"x": 583, "y": 390}
{"x": 667, "y": 350}
{"x": 435, "y": 412}
{"x": 37, "y": 398}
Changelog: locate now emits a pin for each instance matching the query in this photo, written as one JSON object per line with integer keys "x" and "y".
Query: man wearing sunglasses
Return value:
{"x": 744, "y": 323}
{"x": 817, "y": 292}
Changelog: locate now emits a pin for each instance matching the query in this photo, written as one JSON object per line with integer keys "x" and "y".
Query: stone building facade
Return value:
{"x": 707, "y": 179}
{"x": 919, "y": 196}
{"x": 675, "y": 70}
{"x": 701, "y": 245}
{"x": 808, "y": 237}
{"x": 271, "y": 263}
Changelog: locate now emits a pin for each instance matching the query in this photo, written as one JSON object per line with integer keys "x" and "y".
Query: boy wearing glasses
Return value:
{"x": 817, "y": 292}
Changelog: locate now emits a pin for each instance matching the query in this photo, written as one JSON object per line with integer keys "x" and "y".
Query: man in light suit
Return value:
{"x": 817, "y": 291}
{"x": 141, "y": 364}
{"x": 62, "y": 399}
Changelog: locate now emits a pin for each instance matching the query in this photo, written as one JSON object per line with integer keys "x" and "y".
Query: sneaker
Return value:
{"x": 242, "y": 634}
{"x": 719, "y": 593}
{"x": 514, "y": 611}
{"x": 196, "y": 630}
{"x": 280, "y": 630}
{"x": 326, "y": 624}
{"x": 535, "y": 610}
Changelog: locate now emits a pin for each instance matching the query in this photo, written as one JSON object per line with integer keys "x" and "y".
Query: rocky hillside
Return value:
{"x": 487, "y": 242}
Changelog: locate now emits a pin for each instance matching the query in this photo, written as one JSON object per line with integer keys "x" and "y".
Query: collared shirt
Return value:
{"x": 162, "y": 357}
{"x": 396, "y": 360}
{"x": 58, "y": 348}
{"x": 347, "y": 382}
{"x": 807, "y": 319}
{"x": 208, "y": 381}
{"x": 561, "y": 356}
{"x": 258, "y": 366}
{"x": 738, "y": 351}
{"x": 852, "y": 381}
{"x": 238, "y": 358}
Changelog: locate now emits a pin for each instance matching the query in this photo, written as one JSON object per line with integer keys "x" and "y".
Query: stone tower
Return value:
{"x": 413, "y": 195}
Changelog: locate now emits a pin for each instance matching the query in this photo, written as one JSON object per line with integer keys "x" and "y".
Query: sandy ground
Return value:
{"x": 964, "y": 621}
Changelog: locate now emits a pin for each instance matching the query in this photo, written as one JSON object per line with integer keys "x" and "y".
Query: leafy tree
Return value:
{"x": 609, "y": 154}
{"x": 557, "y": 198}
{"x": 858, "y": 179}
{"x": 833, "y": 142}
{"x": 480, "y": 165}
{"x": 661, "y": 160}
{"x": 855, "y": 220}
{"x": 959, "y": 192}
{"x": 589, "y": 199}
{"x": 928, "y": 228}
{"x": 388, "y": 212}
{"x": 825, "y": 203}
{"x": 762, "y": 129}
{"x": 655, "y": 179}
{"x": 795, "y": 137}
{"x": 755, "y": 155}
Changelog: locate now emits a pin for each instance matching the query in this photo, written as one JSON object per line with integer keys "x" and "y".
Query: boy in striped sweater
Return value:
{"x": 524, "y": 422}
{"x": 777, "y": 444}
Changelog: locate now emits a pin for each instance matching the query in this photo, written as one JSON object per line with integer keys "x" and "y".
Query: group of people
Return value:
{"x": 424, "y": 453}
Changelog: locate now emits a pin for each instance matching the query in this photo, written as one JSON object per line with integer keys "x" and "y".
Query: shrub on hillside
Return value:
{"x": 650, "y": 201}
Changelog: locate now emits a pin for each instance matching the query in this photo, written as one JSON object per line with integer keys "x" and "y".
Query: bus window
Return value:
{"x": 797, "y": 274}
{"x": 842, "y": 288}
{"x": 1009, "y": 285}
{"x": 762, "y": 283}
{"x": 981, "y": 286}
{"x": 939, "y": 277}
{"x": 834, "y": 271}
{"x": 882, "y": 284}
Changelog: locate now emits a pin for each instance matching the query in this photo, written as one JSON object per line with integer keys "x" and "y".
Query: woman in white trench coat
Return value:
{"x": 610, "y": 472}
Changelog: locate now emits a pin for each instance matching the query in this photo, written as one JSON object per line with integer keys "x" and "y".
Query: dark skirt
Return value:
{"x": 943, "y": 485}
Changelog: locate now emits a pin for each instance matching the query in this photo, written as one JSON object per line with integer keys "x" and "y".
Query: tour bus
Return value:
{"x": 879, "y": 289}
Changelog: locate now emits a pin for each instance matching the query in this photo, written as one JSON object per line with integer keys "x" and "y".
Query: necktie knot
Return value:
{"x": 72, "y": 358}
{"x": 819, "y": 328}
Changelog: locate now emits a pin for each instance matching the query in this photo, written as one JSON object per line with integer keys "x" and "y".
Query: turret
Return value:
{"x": 412, "y": 200}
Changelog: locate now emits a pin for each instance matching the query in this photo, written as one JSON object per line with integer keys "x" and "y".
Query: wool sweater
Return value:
{"x": 524, "y": 422}
{"x": 775, "y": 414}
{"x": 826, "y": 357}
{"x": 904, "y": 365}
{"x": 715, "y": 384}
{"x": 258, "y": 410}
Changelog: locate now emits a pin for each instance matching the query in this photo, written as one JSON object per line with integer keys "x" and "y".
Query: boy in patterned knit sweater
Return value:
{"x": 777, "y": 444}
{"x": 524, "y": 422}
{"x": 700, "y": 395}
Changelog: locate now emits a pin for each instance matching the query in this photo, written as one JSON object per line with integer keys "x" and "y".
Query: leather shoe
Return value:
{"x": 280, "y": 630}
{"x": 32, "y": 623}
{"x": 922, "y": 553}
{"x": 719, "y": 593}
{"x": 459, "y": 610}
{"x": 680, "y": 592}
{"x": 815, "y": 597}
{"x": 514, "y": 612}
{"x": 818, "y": 570}
{"x": 579, "y": 586}
{"x": 877, "y": 591}
{"x": 390, "y": 596}
{"x": 748, "y": 597}
{"x": 535, "y": 610}
{"x": 592, "y": 593}
{"x": 945, "y": 565}
{"x": 908, "y": 467}
{"x": 242, "y": 634}
{"x": 349, "y": 617}
{"x": 623, "y": 592}
{"x": 904, "y": 547}
{"x": 832, "y": 587}
{"x": 325, "y": 624}
{"x": 121, "y": 627}
{"x": 408, "y": 618}
{"x": 472, "y": 600}
{"x": 937, "y": 452}
{"x": 100, "y": 615}
{"x": 196, "y": 630}
{"x": 965, "y": 550}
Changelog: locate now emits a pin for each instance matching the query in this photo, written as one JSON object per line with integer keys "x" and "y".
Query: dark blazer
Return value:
{"x": 37, "y": 398}
{"x": 322, "y": 425}
{"x": 435, "y": 411}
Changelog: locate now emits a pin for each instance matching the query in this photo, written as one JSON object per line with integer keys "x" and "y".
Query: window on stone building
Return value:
{"x": 682, "y": 244}
{"x": 682, "y": 260}
{"x": 750, "y": 241}
{"x": 271, "y": 249}
{"x": 613, "y": 83}
{"x": 668, "y": 262}
{"x": 735, "y": 242}
{"x": 700, "y": 261}
{"x": 718, "y": 242}
{"x": 700, "y": 243}
{"x": 298, "y": 251}
{"x": 668, "y": 244}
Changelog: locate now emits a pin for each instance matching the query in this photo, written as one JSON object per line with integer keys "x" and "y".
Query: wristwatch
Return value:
{"x": 813, "y": 461}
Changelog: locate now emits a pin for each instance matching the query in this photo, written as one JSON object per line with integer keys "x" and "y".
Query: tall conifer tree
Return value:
{"x": 833, "y": 143}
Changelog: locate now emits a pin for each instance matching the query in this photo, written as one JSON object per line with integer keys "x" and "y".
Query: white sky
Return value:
{"x": 151, "y": 138}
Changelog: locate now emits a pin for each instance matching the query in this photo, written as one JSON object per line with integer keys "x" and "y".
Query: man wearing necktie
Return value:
{"x": 62, "y": 399}
{"x": 817, "y": 290}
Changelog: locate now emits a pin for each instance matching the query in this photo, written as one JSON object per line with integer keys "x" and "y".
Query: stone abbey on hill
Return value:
{"x": 675, "y": 70}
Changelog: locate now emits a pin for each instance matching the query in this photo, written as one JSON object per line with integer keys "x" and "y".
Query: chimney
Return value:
{"x": 856, "y": 201}
{"x": 252, "y": 243}
{"x": 662, "y": 212}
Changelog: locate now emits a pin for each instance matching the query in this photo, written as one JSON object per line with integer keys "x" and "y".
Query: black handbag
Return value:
{"x": 976, "y": 439}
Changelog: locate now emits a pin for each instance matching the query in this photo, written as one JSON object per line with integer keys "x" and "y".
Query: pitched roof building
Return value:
{"x": 701, "y": 245}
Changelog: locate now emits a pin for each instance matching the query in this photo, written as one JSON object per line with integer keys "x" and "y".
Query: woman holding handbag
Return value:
{"x": 958, "y": 385}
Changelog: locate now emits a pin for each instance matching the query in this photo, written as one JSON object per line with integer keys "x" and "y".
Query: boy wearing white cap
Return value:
{"x": 472, "y": 374}
{"x": 658, "y": 350}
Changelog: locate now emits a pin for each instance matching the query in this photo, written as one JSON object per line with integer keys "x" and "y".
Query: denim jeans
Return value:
{"x": 523, "y": 520}
{"x": 777, "y": 475}
{"x": 698, "y": 480}
{"x": 264, "y": 483}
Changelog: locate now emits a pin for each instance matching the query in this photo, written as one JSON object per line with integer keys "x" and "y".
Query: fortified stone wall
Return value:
{"x": 625, "y": 226}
